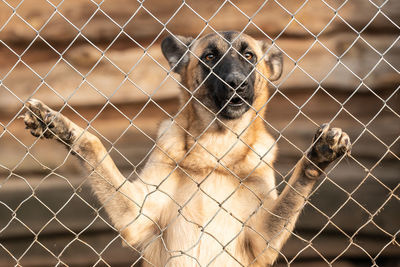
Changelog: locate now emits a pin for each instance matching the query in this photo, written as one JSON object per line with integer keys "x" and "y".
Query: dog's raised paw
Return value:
{"x": 329, "y": 144}
{"x": 42, "y": 121}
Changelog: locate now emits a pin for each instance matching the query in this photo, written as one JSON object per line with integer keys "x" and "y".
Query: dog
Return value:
{"x": 207, "y": 194}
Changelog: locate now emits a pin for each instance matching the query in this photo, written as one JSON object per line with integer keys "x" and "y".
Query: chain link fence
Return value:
{"x": 100, "y": 64}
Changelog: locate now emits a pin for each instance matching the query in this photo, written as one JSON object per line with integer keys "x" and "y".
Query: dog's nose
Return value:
{"x": 237, "y": 81}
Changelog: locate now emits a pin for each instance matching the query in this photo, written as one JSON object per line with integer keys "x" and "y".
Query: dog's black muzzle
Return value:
{"x": 237, "y": 89}
{"x": 235, "y": 94}
{"x": 231, "y": 86}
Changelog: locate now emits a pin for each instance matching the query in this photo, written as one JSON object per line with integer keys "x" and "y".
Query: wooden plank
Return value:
{"x": 146, "y": 20}
{"x": 104, "y": 82}
{"x": 306, "y": 65}
{"x": 42, "y": 203}
{"x": 82, "y": 252}
{"x": 327, "y": 247}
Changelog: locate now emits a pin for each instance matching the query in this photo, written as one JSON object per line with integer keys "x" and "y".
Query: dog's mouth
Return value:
{"x": 235, "y": 101}
{"x": 234, "y": 107}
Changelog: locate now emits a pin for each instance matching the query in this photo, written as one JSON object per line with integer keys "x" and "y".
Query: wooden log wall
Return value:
{"x": 341, "y": 64}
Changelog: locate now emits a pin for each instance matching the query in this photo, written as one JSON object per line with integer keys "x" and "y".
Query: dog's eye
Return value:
{"x": 209, "y": 57}
{"x": 248, "y": 55}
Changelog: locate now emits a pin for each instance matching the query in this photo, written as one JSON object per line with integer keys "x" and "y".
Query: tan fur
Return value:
{"x": 206, "y": 196}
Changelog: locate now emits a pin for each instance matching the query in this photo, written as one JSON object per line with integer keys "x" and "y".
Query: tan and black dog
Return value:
{"x": 207, "y": 195}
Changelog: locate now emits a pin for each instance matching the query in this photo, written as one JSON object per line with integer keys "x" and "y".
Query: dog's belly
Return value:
{"x": 191, "y": 245}
{"x": 186, "y": 242}
{"x": 206, "y": 228}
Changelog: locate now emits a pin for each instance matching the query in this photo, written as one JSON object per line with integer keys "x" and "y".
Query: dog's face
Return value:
{"x": 221, "y": 69}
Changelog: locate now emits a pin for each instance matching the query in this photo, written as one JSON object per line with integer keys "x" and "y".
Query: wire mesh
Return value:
{"x": 36, "y": 224}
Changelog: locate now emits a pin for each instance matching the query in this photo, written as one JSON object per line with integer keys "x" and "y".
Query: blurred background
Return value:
{"x": 100, "y": 64}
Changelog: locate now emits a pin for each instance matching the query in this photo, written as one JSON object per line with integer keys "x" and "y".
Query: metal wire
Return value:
{"x": 282, "y": 177}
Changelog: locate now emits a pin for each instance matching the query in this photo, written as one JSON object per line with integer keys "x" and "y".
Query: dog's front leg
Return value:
{"x": 120, "y": 197}
{"x": 278, "y": 221}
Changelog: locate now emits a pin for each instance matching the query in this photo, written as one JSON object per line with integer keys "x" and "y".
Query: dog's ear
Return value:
{"x": 176, "y": 50}
{"x": 274, "y": 59}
